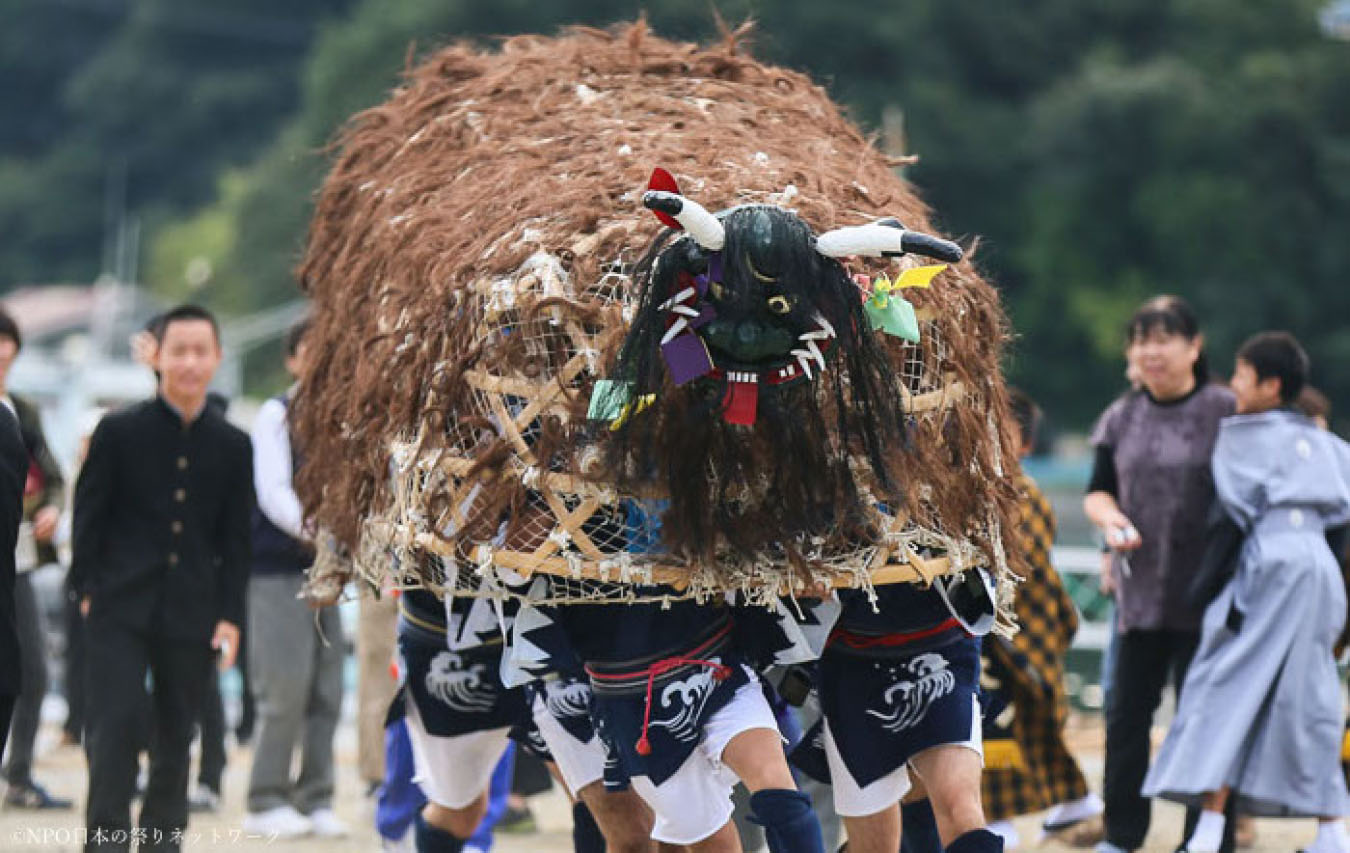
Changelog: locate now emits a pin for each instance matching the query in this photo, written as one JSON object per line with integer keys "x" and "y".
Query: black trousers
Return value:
{"x": 119, "y": 658}
{"x": 248, "y": 709}
{"x": 1145, "y": 660}
{"x": 6, "y": 711}
{"x": 212, "y": 718}
{"x": 33, "y": 660}
{"x": 73, "y": 680}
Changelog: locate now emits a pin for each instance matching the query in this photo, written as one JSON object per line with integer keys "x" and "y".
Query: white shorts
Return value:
{"x": 850, "y": 800}
{"x": 453, "y": 771}
{"x": 695, "y": 802}
{"x": 580, "y": 764}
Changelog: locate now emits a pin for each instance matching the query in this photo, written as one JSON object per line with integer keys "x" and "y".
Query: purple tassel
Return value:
{"x": 686, "y": 358}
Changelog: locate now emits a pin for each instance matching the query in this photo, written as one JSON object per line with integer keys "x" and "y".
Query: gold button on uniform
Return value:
{"x": 176, "y": 527}
{"x": 180, "y": 495}
{"x": 182, "y": 463}
{"x": 173, "y": 559}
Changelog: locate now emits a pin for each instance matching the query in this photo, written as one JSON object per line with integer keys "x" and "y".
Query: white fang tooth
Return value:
{"x": 675, "y": 328}
{"x": 677, "y": 298}
{"x": 815, "y": 351}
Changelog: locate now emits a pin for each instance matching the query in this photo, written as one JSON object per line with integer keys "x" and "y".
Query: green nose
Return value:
{"x": 748, "y": 340}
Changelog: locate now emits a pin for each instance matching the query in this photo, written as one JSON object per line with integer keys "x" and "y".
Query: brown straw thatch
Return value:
{"x": 469, "y": 264}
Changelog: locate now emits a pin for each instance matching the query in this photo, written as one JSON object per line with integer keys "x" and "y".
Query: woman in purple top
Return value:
{"x": 1150, "y": 494}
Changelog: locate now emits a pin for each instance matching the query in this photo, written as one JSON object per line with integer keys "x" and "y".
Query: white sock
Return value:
{"x": 1331, "y": 838}
{"x": 1208, "y": 833}
{"x": 1005, "y": 830}
{"x": 1075, "y": 810}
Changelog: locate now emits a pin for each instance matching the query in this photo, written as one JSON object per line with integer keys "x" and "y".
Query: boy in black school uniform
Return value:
{"x": 161, "y": 550}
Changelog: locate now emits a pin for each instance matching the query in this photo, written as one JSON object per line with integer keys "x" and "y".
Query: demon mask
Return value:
{"x": 752, "y": 377}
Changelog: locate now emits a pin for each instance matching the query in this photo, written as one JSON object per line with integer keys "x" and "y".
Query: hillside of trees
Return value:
{"x": 1101, "y": 152}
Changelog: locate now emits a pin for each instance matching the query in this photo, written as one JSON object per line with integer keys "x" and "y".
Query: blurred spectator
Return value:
{"x": 1259, "y": 721}
{"x": 1150, "y": 492}
{"x": 299, "y": 692}
{"x": 205, "y": 795}
{"x": 376, "y": 636}
{"x": 1107, "y": 558}
{"x": 13, "y": 474}
{"x": 161, "y": 540}
{"x": 73, "y": 729}
{"x": 1027, "y": 765}
{"x": 43, "y": 496}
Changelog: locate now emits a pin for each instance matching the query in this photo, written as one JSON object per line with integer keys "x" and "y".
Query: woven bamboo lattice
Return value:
{"x": 471, "y": 263}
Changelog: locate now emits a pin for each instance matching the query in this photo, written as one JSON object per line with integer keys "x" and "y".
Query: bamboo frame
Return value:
{"x": 915, "y": 569}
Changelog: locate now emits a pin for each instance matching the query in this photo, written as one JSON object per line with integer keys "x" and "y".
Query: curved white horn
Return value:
{"x": 871, "y": 240}
{"x": 886, "y": 238}
{"x": 705, "y": 228}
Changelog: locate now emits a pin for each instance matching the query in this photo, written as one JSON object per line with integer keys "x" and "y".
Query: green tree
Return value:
{"x": 140, "y": 103}
{"x": 1100, "y": 152}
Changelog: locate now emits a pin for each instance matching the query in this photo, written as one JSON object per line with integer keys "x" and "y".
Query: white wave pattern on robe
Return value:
{"x": 909, "y": 701}
{"x": 691, "y": 694}
{"x": 567, "y": 700}
{"x": 468, "y": 690}
{"x": 1261, "y": 709}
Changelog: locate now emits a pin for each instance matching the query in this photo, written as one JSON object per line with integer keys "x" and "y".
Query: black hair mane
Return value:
{"x": 788, "y": 479}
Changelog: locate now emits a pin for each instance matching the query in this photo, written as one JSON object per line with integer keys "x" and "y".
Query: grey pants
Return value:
{"x": 296, "y": 667}
{"x": 33, "y": 662}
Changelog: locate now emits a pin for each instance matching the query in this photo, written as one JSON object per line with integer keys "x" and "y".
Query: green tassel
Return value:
{"x": 608, "y": 399}
{"x": 893, "y": 315}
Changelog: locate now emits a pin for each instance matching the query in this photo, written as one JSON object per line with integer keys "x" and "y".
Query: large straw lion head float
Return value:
{"x": 516, "y": 368}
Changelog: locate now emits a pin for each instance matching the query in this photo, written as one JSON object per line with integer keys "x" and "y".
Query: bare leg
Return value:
{"x": 756, "y": 756}
{"x": 624, "y": 819}
{"x": 1216, "y": 801}
{"x": 790, "y": 825}
{"x": 460, "y": 823}
{"x": 874, "y": 833}
{"x": 951, "y": 774}
{"x": 1210, "y": 826}
{"x": 724, "y": 840}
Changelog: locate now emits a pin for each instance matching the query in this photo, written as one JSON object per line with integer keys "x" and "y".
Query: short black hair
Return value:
{"x": 294, "y": 336}
{"x": 1278, "y": 355}
{"x": 10, "y": 329}
{"x": 160, "y": 325}
{"x": 1025, "y": 413}
{"x": 155, "y": 326}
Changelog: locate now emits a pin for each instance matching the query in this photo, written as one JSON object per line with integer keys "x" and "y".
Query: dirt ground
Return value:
{"x": 62, "y": 770}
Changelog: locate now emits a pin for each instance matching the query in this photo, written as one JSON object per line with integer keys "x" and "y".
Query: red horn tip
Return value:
{"x": 665, "y": 182}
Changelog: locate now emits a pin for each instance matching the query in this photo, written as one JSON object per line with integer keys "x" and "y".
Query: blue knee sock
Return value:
{"x": 976, "y": 841}
{"x": 586, "y": 837}
{"x": 918, "y": 828}
{"x": 790, "y": 826}
{"x": 432, "y": 839}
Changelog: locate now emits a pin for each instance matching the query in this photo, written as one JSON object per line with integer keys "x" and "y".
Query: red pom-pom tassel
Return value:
{"x": 644, "y": 746}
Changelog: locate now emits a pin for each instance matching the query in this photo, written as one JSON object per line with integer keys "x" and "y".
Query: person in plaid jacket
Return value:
{"x": 1028, "y": 767}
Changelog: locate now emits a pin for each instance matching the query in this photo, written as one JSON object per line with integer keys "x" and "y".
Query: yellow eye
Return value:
{"x": 718, "y": 291}
{"x": 779, "y": 304}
